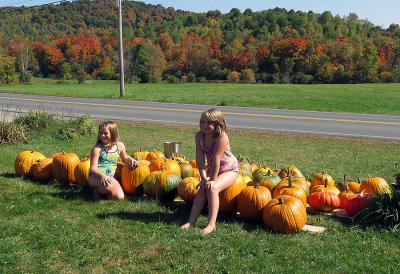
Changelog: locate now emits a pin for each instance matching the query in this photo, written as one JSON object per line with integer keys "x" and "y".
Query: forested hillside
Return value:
{"x": 79, "y": 40}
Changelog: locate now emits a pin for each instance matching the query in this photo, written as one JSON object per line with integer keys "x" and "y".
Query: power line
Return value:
{"x": 25, "y": 8}
{"x": 17, "y": 3}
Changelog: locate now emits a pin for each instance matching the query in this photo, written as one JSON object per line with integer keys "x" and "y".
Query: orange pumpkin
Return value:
{"x": 132, "y": 179}
{"x": 287, "y": 187}
{"x": 154, "y": 155}
{"x": 25, "y": 160}
{"x": 285, "y": 214}
{"x": 375, "y": 185}
{"x": 63, "y": 167}
{"x": 187, "y": 189}
{"x": 320, "y": 178}
{"x": 228, "y": 197}
{"x": 140, "y": 155}
{"x": 344, "y": 195}
{"x": 325, "y": 188}
{"x": 251, "y": 201}
{"x": 193, "y": 163}
{"x": 81, "y": 172}
{"x": 42, "y": 169}
{"x": 354, "y": 187}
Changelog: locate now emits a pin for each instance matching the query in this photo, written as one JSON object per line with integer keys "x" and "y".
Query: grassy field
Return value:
{"x": 51, "y": 227}
{"x": 358, "y": 98}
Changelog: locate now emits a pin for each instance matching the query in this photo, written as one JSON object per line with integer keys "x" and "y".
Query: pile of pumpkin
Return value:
{"x": 278, "y": 197}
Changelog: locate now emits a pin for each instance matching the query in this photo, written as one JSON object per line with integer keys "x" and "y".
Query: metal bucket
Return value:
{"x": 172, "y": 148}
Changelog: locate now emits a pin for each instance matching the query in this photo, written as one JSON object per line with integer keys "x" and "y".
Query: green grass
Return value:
{"x": 50, "y": 227}
{"x": 358, "y": 98}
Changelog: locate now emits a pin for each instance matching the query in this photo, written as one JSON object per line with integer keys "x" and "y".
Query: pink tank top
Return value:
{"x": 228, "y": 161}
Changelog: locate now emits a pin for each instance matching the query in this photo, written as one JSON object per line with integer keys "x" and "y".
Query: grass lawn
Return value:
{"x": 357, "y": 98}
{"x": 51, "y": 227}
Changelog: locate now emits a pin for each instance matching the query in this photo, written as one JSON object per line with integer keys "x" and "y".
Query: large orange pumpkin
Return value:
{"x": 42, "y": 169}
{"x": 228, "y": 197}
{"x": 64, "y": 167}
{"x": 132, "y": 179}
{"x": 187, "y": 189}
{"x": 25, "y": 160}
{"x": 251, "y": 201}
{"x": 375, "y": 185}
{"x": 285, "y": 214}
{"x": 81, "y": 172}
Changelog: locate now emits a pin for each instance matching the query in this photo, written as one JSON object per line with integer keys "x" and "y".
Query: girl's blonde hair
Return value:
{"x": 214, "y": 115}
{"x": 112, "y": 127}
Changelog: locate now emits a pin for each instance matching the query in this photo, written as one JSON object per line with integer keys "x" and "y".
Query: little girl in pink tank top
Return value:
{"x": 212, "y": 143}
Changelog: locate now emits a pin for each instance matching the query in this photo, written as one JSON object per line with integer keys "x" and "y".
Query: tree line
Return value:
{"x": 77, "y": 40}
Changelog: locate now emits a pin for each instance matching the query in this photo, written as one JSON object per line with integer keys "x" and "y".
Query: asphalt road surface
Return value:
{"x": 309, "y": 122}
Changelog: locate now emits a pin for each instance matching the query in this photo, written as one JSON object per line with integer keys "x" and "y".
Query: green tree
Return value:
{"x": 139, "y": 67}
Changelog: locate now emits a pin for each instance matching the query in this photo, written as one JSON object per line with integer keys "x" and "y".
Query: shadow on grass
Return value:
{"x": 177, "y": 213}
{"x": 10, "y": 175}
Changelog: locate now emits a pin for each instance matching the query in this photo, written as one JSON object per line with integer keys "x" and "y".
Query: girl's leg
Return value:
{"x": 114, "y": 191}
{"x": 198, "y": 205}
{"x": 223, "y": 181}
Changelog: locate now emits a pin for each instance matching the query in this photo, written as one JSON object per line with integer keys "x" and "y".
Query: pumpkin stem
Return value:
{"x": 326, "y": 182}
{"x": 257, "y": 185}
{"x": 290, "y": 182}
{"x": 280, "y": 200}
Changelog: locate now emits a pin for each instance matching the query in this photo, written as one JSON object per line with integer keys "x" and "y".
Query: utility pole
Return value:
{"x": 120, "y": 50}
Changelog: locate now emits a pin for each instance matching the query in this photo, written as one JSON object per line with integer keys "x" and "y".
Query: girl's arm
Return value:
{"x": 200, "y": 158}
{"x": 94, "y": 161}
{"x": 221, "y": 143}
{"x": 126, "y": 159}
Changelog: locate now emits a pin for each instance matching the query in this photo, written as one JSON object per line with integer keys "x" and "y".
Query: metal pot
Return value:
{"x": 172, "y": 149}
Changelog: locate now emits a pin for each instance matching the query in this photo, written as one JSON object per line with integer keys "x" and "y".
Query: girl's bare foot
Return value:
{"x": 186, "y": 226}
{"x": 208, "y": 229}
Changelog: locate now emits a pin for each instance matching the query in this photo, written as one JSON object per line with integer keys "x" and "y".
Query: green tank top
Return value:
{"x": 108, "y": 161}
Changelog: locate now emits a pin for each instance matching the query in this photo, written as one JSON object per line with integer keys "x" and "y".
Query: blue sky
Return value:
{"x": 381, "y": 13}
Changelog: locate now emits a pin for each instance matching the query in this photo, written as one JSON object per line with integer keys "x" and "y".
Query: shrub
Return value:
{"x": 76, "y": 128}
{"x": 248, "y": 76}
{"x": 35, "y": 120}
{"x": 173, "y": 80}
{"x": 234, "y": 77}
{"x": 12, "y": 133}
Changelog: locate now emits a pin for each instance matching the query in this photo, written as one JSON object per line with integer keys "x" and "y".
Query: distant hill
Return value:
{"x": 271, "y": 46}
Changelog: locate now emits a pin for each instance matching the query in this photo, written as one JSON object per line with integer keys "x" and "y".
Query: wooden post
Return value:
{"x": 121, "y": 51}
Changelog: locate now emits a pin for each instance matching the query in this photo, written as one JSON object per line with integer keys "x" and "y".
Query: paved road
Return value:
{"x": 309, "y": 122}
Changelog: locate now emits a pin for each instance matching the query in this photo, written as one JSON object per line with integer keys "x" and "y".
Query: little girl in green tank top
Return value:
{"x": 104, "y": 160}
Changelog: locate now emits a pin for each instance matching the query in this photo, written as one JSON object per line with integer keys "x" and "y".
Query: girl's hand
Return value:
{"x": 105, "y": 180}
{"x": 201, "y": 184}
{"x": 133, "y": 163}
{"x": 209, "y": 184}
